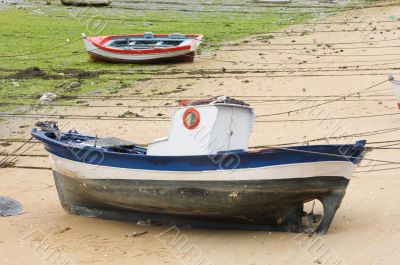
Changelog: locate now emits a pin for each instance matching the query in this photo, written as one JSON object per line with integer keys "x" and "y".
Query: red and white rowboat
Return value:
{"x": 143, "y": 48}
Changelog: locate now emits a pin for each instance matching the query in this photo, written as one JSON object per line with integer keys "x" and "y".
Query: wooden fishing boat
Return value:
{"x": 396, "y": 89}
{"x": 143, "y": 48}
{"x": 86, "y": 2}
{"x": 201, "y": 175}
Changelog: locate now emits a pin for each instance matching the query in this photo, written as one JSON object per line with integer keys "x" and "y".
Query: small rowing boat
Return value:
{"x": 201, "y": 175}
{"x": 143, "y": 48}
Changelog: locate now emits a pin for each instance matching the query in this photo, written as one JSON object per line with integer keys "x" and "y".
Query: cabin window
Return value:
{"x": 191, "y": 119}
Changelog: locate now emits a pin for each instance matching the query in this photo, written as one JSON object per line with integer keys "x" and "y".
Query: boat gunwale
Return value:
{"x": 41, "y": 136}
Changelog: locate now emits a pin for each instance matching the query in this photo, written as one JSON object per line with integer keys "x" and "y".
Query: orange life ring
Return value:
{"x": 191, "y": 119}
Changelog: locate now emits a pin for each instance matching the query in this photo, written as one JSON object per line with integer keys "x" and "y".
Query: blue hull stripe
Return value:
{"x": 226, "y": 161}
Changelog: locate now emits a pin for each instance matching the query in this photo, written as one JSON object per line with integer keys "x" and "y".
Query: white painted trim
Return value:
{"x": 288, "y": 171}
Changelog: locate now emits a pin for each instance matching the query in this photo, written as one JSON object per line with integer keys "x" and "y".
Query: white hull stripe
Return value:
{"x": 287, "y": 171}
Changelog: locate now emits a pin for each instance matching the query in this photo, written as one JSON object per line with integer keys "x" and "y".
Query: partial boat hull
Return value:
{"x": 268, "y": 198}
{"x": 396, "y": 89}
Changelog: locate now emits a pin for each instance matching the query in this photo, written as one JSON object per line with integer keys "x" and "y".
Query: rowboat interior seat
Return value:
{"x": 118, "y": 43}
{"x": 176, "y": 36}
{"x": 148, "y": 35}
{"x": 171, "y": 43}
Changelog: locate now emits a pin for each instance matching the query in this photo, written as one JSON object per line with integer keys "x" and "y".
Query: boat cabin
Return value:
{"x": 206, "y": 127}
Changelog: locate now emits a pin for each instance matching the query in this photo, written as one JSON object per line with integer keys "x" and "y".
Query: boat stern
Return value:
{"x": 196, "y": 43}
{"x": 90, "y": 48}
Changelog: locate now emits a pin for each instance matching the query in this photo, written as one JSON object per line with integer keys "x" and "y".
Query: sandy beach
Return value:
{"x": 298, "y": 67}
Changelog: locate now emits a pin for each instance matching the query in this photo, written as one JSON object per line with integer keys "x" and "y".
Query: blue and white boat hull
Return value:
{"x": 258, "y": 190}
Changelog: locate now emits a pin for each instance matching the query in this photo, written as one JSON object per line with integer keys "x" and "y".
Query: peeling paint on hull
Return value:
{"x": 247, "y": 204}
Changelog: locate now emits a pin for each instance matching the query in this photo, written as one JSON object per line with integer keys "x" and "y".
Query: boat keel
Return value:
{"x": 330, "y": 203}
